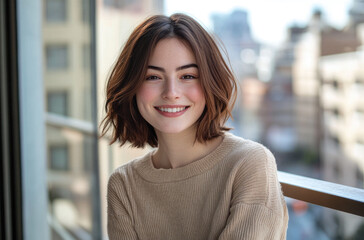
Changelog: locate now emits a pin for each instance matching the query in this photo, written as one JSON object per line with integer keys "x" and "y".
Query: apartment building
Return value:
{"x": 342, "y": 147}
{"x": 279, "y": 104}
{"x": 320, "y": 39}
{"x": 67, "y": 93}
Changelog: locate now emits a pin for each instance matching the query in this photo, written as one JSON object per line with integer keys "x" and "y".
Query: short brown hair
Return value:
{"x": 217, "y": 80}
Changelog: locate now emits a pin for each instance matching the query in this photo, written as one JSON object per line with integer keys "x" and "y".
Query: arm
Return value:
{"x": 253, "y": 222}
{"x": 258, "y": 209}
{"x": 120, "y": 223}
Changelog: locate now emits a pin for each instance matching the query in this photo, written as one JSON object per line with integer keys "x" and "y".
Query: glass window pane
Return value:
{"x": 73, "y": 203}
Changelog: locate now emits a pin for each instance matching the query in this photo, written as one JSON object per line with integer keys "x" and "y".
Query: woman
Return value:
{"x": 171, "y": 88}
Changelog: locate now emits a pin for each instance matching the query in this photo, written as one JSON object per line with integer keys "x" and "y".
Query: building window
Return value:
{"x": 57, "y": 103}
{"x": 56, "y": 10}
{"x": 58, "y": 156}
{"x": 359, "y": 87}
{"x": 336, "y": 141}
{"x": 335, "y": 84}
{"x": 337, "y": 169}
{"x": 86, "y": 11}
{"x": 359, "y": 177}
{"x": 57, "y": 57}
{"x": 358, "y": 149}
{"x": 88, "y": 154}
{"x": 336, "y": 112}
{"x": 121, "y": 3}
{"x": 358, "y": 118}
{"x": 86, "y": 56}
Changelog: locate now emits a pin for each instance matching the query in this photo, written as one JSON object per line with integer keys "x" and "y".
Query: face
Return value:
{"x": 171, "y": 98}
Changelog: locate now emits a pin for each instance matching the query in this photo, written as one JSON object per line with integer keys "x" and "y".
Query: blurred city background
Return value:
{"x": 301, "y": 89}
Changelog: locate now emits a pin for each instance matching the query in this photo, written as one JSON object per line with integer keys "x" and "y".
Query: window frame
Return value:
{"x": 11, "y": 197}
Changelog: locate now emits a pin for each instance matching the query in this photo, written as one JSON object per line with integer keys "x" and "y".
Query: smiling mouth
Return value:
{"x": 172, "y": 110}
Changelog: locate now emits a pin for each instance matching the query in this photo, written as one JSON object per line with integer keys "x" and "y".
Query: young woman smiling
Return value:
{"x": 171, "y": 88}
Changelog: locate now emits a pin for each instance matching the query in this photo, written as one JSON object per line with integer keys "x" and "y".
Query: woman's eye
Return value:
{"x": 188, "y": 77}
{"x": 153, "y": 77}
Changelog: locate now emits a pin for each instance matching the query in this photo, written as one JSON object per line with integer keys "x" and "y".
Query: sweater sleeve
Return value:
{"x": 120, "y": 224}
{"x": 258, "y": 209}
{"x": 253, "y": 222}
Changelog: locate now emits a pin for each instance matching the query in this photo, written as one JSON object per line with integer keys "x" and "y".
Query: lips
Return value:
{"x": 171, "y": 111}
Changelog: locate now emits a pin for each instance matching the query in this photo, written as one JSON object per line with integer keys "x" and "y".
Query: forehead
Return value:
{"x": 172, "y": 51}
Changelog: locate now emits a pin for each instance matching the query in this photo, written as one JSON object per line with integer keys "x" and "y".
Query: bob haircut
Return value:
{"x": 217, "y": 81}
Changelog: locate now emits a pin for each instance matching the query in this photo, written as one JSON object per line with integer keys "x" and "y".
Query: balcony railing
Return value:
{"x": 323, "y": 193}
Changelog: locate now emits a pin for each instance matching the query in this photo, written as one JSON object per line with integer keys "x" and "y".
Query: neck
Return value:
{"x": 178, "y": 150}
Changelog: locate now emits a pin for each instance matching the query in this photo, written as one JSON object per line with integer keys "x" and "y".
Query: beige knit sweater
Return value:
{"x": 233, "y": 193}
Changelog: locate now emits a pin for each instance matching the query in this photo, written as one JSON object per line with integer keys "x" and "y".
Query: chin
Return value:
{"x": 172, "y": 130}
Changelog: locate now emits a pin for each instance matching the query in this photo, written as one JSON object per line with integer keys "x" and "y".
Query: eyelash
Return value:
{"x": 184, "y": 77}
{"x": 188, "y": 77}
{"x": 152, "y": 77}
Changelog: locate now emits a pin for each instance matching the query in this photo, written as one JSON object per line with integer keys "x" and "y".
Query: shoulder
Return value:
{"x": 127, "y": 171}
{"x": 254, "y": 171}
{"x": 246, "y": 152}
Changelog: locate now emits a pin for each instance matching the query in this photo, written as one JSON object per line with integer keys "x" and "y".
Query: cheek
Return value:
{"x": 196, "y": 94}
{"x": 145, "y": 95}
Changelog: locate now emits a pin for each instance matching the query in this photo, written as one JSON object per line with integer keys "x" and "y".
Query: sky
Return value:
{"x": 268, "y": 19}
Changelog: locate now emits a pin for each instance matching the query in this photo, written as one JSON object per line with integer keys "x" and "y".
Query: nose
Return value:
{"x": 171, "y": 89}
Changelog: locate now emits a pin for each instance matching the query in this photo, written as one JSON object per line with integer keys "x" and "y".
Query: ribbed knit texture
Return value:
{"x": 232, "y": 193}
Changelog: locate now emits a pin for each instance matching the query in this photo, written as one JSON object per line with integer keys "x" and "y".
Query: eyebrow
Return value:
{"x": 177, "y": 69}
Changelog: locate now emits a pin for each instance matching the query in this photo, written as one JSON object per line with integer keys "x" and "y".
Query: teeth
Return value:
{"x": 172, "y": 110}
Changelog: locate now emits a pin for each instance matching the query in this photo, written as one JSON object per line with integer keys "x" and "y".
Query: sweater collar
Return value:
{"x": 144, "y": 166}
